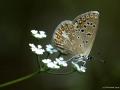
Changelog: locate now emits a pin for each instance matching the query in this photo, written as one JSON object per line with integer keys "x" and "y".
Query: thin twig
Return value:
{"x": 38, "y": 62}
{"x": 19, "y": 79}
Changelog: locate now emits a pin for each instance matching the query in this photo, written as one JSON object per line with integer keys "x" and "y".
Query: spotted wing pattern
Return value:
{"x": 86, "y": 27}
{"x": 77, "y": 36}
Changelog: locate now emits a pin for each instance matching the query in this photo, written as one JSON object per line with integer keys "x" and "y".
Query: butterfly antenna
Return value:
{"x": 99, "y": 56}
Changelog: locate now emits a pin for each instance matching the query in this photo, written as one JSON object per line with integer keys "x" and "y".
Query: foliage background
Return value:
{"x": 18, "y": 17}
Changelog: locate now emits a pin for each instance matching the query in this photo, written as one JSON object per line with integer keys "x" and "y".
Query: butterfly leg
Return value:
{"x": 79, "y": 67}
{"x": 79, "y": 63}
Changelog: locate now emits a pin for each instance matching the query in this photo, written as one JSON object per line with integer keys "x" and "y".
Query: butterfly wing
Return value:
{"x": 77, "y": 36}
{"x": 86, "y": 27}
{"x": 62, "y": 36}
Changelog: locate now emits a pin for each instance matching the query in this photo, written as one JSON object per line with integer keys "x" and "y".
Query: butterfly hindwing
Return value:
{"x": 62, "y": 36}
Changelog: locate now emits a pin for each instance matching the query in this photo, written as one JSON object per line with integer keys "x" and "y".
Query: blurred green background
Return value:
{"x": 18, "y": 17}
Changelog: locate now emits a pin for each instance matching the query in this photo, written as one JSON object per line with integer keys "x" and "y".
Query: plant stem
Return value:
{"x": 19, "y": 79}
{"x": 38, "y": 62}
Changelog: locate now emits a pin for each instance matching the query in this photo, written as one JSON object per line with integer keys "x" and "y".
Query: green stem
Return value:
{"x": 38, "y": 62}
{"x": 40, "y": 66}
{"x": 19, "y": 79}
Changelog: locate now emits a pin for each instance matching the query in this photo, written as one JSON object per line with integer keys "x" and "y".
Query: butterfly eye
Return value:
{"x": 78, "y": 37}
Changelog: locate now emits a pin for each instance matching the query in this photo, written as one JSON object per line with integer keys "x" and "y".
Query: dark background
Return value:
{"x": 18, "y": 17}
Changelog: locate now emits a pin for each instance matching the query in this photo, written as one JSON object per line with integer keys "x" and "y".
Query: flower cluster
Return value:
{"x": 58, "y": 62}
{"x": 38, "y": 50}
{"x": 38, "y": 34}
{"x": 55, "y": 64}
{"x": 50, "y": 49}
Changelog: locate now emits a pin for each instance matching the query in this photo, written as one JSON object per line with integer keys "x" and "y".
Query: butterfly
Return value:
{"x": 76, "y": 37}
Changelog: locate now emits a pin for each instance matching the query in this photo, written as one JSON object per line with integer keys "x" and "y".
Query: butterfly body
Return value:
{"x": 76, "y": 37}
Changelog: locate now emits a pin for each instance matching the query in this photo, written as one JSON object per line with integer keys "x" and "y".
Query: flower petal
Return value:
{"x": 46, "y": 61}
{"x": 34, "y": 31}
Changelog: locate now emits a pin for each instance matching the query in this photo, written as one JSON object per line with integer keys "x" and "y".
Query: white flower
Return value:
{"x": 46, "y": 60}
{"x": 38, "y": 50}
{"x": 49, "y": 46}
{"x": 50, "y": 64}
{"x": 39, "y": 46}
{"x": 61, "y": 58}
{"x": 55, "y": 62}
{"x": 34, "y": 31}
{"x": 42, "y": 33}
{"x": 38, "y": 34}
{"x": 53, "y": 65}
{"x": 31, "y": 45}
{"x": 60, "y": 61}
{"x": 64, "y": 64}
{"x": 50, "y": 49}
{"x": 79, "y": 68}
